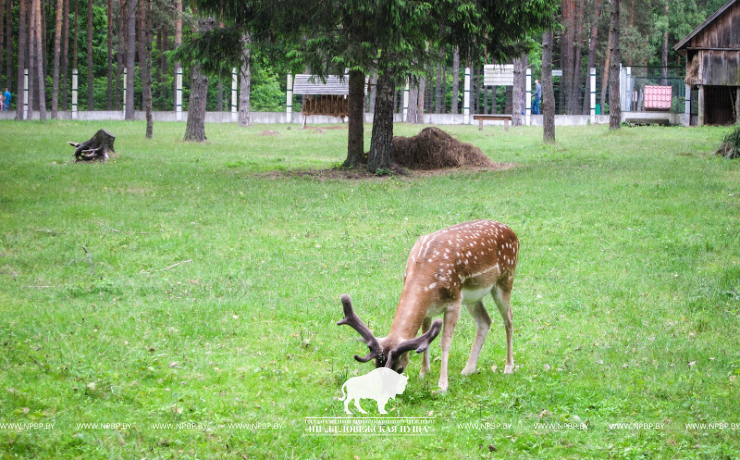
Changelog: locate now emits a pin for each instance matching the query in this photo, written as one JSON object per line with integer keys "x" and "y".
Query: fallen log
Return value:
{"x": 97, "y": 148}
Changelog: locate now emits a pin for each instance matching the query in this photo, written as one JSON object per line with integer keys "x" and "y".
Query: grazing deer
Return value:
{"x": 455, "y": 266}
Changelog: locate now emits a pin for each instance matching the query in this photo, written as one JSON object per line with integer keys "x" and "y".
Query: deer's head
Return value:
{"x": 386, "y": 354}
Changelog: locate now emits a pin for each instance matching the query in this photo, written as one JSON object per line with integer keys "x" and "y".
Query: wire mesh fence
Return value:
{"x": 638, "y": 83}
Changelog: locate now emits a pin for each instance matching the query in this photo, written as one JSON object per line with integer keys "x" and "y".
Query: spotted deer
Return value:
{"x": 455, "y": 266}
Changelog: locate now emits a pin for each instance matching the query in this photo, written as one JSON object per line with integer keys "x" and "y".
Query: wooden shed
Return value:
{"x": 328, "y": 97}
{"x": 712, "y": 53}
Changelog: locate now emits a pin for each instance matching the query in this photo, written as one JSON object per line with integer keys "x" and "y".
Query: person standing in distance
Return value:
{"x": 537, "y": 97}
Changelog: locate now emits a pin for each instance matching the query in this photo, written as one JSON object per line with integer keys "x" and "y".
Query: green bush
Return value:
{"x": 730, "y": 147}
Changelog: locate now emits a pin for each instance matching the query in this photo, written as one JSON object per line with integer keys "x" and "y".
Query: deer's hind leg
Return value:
{"x": 482, "y": 325}
{"x": 502, "y": 296}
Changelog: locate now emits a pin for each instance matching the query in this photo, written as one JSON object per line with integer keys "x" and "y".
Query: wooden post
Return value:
{"x": 701, "y": 106}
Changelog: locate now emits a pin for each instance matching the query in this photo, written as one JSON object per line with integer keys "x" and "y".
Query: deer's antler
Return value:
{"x": 351, "y": 319}
{"x": 420, "y": 344}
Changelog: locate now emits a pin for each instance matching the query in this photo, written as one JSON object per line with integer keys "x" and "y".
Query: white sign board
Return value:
{"x": 498, "y": 75}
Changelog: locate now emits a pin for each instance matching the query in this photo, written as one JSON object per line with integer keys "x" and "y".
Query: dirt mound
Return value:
{"x": 433, "y": 148}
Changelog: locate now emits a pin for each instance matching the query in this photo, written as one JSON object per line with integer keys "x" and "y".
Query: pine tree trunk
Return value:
{"x": 220, "y": 96}
{"x": 455, "y": 80}
{"x": 245, "y": 88}
{"x": 145, "y": 73}
{"x": 57, "y": 53}
{"x": 90, "y": 68}
{"x": 356, "y": 135}
{"x": 196, "y": 128}
{"x": 31, "y": 57}
{"x": 162, "y": 49}
{"x": 605, "y": 76}
{"x": 664, "y": 56}
{"x": 566, "y": 53}
{"x": 575, "y": 85}
{"x": 8, "y": 47}
{"x": 615, "y": 107}
{"x": 178, "y": 42}
{"x": 109, "y": 96}
{"x": 149, "y": 63}
{"x": 591, "y": 56}
{"x": 40, "y": 63}
{"x": 413, "y": 100}
{"x": 76, "y": 34}
{"x": 548, "y": 95}
{"x": 420, "y": 101}
{"x": 2, "y": 41}
{"x": 380, "y": 157}
{"x": 21, "y": 60}
{"x": 373, "y": 86}
{"x": 44, "y": 57}
{"x": 65, "y": 54}
{"x": 130, "y": 57}
{"x": 439, "y": 102}
{"x": 120, "y": 55}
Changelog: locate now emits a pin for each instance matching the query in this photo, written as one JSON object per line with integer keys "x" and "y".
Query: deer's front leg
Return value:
{"x": 425, "y": 364}
{"x": 452, "y": 314}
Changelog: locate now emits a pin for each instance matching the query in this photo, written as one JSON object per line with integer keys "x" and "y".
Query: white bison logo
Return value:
{"x": 381, "y": 385}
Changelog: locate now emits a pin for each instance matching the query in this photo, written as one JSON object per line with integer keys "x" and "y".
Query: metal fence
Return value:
{"x": 633, "y": 81}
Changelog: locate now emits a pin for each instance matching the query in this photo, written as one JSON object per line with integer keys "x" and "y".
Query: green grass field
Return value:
{"x": 209, "y": 293}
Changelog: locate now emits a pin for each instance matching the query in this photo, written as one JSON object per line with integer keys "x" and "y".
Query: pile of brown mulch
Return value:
{"x": 433, "y": 148}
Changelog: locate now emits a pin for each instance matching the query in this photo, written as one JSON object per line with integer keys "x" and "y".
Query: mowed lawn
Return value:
{"x": 181, "y": 301}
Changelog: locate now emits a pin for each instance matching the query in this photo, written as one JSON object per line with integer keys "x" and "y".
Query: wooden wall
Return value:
{"x": 723, "y": 32}
{"x": 720, "y": 68}
{"x": 718, "y": 45}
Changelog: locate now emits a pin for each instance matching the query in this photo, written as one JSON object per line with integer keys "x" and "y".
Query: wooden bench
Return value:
{"x": 647, "y": 121}
{"x": 480, "y": 118}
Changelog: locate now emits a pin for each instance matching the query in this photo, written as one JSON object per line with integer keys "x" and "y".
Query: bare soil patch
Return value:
{"x": 432, "y": 152}
{"x": 363, "y": 174}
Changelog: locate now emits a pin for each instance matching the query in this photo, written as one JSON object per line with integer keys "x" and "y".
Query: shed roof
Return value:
{"x": 311, "y": 84}
{"x": 683, "y": 43}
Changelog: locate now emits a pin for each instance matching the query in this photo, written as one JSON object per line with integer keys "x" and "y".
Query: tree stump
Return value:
{"x": 97, "y": 148}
